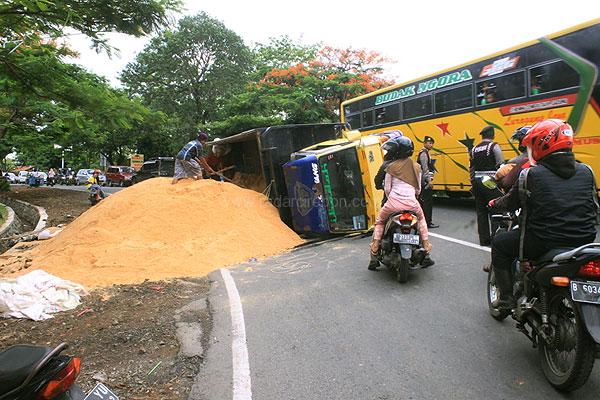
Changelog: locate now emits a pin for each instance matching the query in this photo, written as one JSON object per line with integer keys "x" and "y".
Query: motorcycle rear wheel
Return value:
{"x": 568, "y": 363}
{"x": 492, "y": 295}
{"x": 403, "y": 270}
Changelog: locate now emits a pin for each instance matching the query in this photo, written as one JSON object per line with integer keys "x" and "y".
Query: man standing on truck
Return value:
{"x": 189, "y": 162}
{"x": 427, "y": 168}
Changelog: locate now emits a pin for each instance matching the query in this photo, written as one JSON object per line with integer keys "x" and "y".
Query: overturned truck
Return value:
{"x": 254, "y": 159}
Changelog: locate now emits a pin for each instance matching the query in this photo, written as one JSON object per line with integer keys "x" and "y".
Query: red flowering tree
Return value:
{"x": 323, "y": 83}
{"x": 308, "y": 91}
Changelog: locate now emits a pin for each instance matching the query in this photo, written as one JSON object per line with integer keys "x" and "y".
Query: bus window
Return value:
{"x": 418, "y": 107}
{"x": 454, "y": 99}
{"x": 511, "y": 86}
{"x": 387, "y": 114}
{"x": 353, "y": 120}
{"x": 352, "y": 108}
{"x": 550, "y": 77}
{"x": 367, "y": 118}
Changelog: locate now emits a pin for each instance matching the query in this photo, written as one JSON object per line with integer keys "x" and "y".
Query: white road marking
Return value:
{"x": 242, "y": 389}
{"x": 463, "y": 242}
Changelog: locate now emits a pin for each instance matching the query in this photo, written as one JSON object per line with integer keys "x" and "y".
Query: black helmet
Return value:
{"x": 202, "y": 136}
{"x": 519, "y": 134}
{"x": 397, "y": 148}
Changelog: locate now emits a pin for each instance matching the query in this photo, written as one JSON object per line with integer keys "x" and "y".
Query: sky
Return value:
{"x": 421, "y": 37}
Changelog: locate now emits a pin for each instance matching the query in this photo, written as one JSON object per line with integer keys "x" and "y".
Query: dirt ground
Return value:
{"x": 125, "y": 335}
{"x": 62, "y": 206}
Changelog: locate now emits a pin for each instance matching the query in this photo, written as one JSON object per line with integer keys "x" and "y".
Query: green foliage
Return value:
{"x": 281, "y": 53}
{"x": 93, "y": 18}
{"x": 4, "y": 187}
{"x": 46, "y": 101}
{"x": 240, "y": 123}
{"x": 299, "y": 89}
{"x": 189, "y": 73}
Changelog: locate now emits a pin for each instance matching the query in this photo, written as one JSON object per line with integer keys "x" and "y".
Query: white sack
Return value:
{"x": 36, "y": 295}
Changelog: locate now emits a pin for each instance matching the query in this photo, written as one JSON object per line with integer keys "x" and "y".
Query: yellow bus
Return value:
{"x": 552, "y": 77}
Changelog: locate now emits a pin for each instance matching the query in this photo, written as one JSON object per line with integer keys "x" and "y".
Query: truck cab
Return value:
{"x": 331, "y": 185}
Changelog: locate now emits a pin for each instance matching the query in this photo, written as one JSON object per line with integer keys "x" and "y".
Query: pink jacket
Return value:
{"x": 399, "y": 190}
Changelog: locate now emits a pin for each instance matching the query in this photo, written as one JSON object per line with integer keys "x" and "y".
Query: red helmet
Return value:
{"x": 548, "y": 137}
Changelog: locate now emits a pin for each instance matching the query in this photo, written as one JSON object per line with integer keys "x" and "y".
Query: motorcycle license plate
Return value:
{"x": 403, "y": 238}
{"x": 586, "y": 292}
{"x": 101, "y": 392}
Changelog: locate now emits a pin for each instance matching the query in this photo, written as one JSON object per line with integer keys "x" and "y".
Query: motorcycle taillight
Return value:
{"x": 591, "y": 270}
{"x": 62, "y": 382}
{"x": 406, "y": 217}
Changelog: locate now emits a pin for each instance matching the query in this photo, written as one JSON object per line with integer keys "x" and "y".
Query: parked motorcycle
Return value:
{"x": 66, "y": 177}
{"x": 558, "y": 309}
{"x": 400, "y": 245}
{"x": 37, "y": 372}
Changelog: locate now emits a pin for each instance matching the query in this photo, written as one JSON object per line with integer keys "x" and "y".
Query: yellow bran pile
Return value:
{"x": 155, "y": 230}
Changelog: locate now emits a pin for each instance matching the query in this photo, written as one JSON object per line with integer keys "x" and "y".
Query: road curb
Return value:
{"x": 34, "y": 215}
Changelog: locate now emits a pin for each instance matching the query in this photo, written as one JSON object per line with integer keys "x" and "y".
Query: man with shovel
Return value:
{"x": 190, "y": 162}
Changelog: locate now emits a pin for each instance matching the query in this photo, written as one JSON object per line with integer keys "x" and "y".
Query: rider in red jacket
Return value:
{"x": 561, "y": 203}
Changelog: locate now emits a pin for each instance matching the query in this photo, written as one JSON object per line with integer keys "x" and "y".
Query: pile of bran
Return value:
{"x": 155, "y": 230}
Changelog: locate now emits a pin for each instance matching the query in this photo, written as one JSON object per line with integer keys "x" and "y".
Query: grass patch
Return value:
{"x": 3, "y": 213}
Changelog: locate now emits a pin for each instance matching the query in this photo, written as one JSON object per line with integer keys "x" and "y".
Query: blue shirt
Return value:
{"x": 191, "y": 150}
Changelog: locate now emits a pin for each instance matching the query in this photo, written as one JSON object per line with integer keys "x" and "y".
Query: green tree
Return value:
{"x": 189, "y": 73}
{"x": 94, "y": 18}
{"x": 43, "y": 99}
{"x": 253, "y": 108}
{"x": 309, "y": 91}
{"x": 281, "y": 52}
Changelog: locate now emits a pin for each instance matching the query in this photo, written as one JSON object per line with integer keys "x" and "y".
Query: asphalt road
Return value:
{"x": 79, "y": 188}
{"x": 82, "y": 188}
{"x": 319, "y": 325}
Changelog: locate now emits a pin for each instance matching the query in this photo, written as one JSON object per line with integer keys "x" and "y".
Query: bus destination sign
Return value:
{"x": 423, "y": 87}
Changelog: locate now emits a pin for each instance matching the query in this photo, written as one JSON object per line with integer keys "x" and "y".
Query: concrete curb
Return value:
{"x": 10, "y": 219}
{"x": 43, "y": 218}
{"x": 34, "y": 215}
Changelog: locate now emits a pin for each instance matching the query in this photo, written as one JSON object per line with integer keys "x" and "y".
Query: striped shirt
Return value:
{"x": 191, "y": 150}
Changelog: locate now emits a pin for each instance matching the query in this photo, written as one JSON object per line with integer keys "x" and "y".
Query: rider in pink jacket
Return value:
{"x": 402, "y": 186}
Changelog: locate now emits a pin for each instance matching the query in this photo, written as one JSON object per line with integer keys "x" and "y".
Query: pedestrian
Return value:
{"x": 51, "y": 176}
{"x": 428, "y": 169}
{"x": 190, "y": 161}
{"x": 484, "y": 160}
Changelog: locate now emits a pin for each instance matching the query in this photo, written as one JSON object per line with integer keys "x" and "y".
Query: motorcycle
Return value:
{"x": 96, "y": 194}
{"x": 401, "y": 250}
{"x": 37, "y": 372}
{"x": 558, "y": 309}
